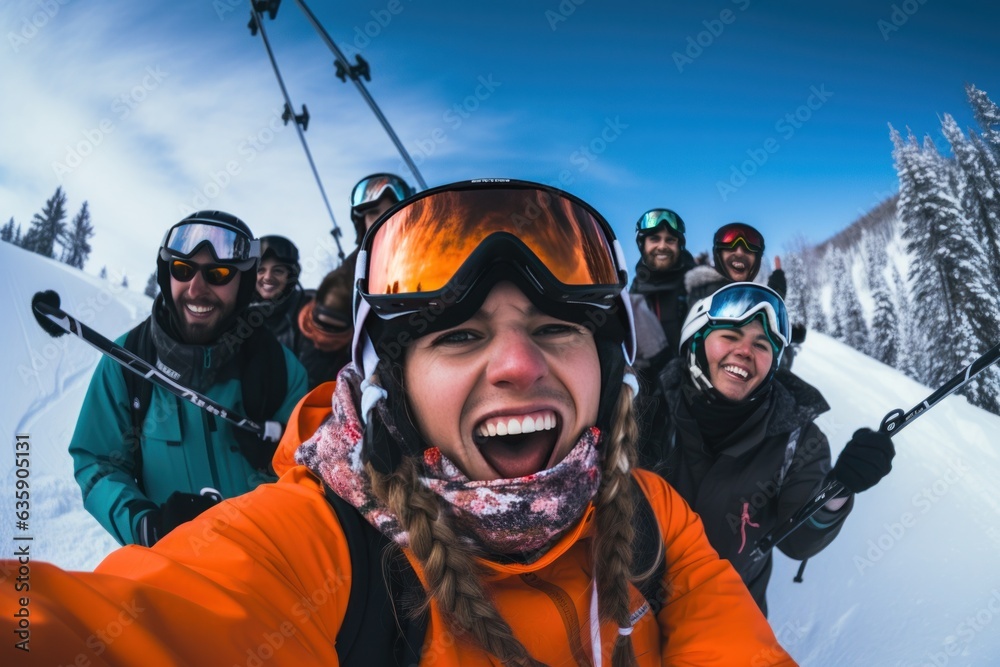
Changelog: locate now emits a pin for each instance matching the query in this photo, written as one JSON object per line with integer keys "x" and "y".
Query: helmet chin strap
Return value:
{"x": 698, "y": 376}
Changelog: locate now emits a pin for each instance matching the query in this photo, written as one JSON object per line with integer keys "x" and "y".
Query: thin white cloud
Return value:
{"x": 148, "y": 122}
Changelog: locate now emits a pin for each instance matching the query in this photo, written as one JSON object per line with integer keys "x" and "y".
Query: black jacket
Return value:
{"x": 281, "y": 317}
{"x": 666, "y": 295}
{"x": 740, "y": 492}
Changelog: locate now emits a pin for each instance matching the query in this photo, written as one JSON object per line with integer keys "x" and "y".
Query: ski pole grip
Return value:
{"x": 44, "y": 304}
{"x": 892, "y": 421}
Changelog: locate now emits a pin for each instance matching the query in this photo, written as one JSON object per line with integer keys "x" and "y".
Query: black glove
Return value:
{"x": 866, "y": 459}
{"x": 798, "y": 332}
{"x": 179, "y": 508}
{"x": 777, "y": 282}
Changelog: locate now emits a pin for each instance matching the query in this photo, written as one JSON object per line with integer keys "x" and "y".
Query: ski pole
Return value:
{"x": 56, "y": 322}
{"x": 345, "y": 67}
{"x": 892, "y": 424}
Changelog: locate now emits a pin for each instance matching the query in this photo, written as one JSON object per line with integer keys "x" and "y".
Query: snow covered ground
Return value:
{"x": 911, "y": 580}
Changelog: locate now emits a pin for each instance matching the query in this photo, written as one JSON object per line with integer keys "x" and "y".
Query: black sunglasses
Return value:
{"x": 184, "y": 271}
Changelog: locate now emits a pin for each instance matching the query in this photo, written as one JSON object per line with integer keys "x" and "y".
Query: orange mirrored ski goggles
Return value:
{"x": 442, "y": 242}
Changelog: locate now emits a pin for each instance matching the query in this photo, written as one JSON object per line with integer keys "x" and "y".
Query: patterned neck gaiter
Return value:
{"x": 511, "y": 518}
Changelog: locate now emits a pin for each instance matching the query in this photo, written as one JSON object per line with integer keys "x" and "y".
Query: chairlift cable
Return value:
{"x": 298, "y": 121}
{"x": 344, "y": 67}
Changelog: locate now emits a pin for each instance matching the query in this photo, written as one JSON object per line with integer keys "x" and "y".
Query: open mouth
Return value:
{"x": 518, "y": 445}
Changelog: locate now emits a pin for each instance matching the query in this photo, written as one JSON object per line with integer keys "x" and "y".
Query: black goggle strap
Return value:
{"x": 343, "y": 319}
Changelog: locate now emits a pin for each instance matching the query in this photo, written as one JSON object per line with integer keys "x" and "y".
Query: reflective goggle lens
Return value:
{"x": 226, "y": 243}
{"x": 728, "y": 237}
{"x": 423, "y": 245}
{"x": 370, "y": 189}
{"x": 214, "y": 274}
{"x": 739, "y": 302}
{"x": 658, "y": 216}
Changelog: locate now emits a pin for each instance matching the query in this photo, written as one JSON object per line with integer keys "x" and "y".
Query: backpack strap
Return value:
{"x": 378, "y": 627}
{"x": 264, "y": 384}
{"x": 139, "y": 391}
{"x": 793, "y": 442}
{"x": 646, "y": 547}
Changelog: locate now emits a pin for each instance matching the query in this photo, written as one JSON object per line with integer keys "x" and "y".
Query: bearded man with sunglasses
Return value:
{"x": 146, "y": 460}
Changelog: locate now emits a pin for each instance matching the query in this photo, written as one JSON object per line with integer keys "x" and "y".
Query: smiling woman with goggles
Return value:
{"x": 735, "y": 305}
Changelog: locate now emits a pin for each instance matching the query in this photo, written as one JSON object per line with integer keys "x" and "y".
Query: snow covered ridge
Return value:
{"x": 910, "y": 581}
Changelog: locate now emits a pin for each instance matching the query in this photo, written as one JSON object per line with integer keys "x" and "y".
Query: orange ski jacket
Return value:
{"x": 264, "y": 579}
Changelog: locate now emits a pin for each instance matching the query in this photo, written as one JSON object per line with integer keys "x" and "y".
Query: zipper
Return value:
{"x": 567, "y": 610}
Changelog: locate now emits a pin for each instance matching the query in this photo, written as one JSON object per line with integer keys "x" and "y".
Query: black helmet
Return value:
{"x": 226, "y": 237}
{"x": 656, "y": 219}
{"x": 282, "y": 250}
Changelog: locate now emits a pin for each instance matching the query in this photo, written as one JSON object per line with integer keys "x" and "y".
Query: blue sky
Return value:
{"x": 774, "y": 113}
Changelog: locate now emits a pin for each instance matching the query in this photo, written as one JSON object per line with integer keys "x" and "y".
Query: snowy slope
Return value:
{"x": 46, "y": 380}
{"x": 911, "y": 580}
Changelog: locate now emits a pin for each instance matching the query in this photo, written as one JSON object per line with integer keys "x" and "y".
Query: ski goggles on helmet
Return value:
{"x": 227, "y": 244}
{"x": 183, "y": 271}
{"x": 732, "y": 234}
{"x": 280, "y": 248}
{"x": 437, "y": 255}
{"x": 371, "y": 188}
{"x": 331, "y": 320}
{"x": 656, "y": 217}
{"x": 734, "y": 306}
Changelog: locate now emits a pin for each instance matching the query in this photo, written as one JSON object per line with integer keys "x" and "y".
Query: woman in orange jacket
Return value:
{"x": 482, "y": 445}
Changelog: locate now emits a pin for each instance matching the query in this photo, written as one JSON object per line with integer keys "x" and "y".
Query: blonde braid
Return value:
{"x": 449, "y": 565}
{"x": 615, "y": 532}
